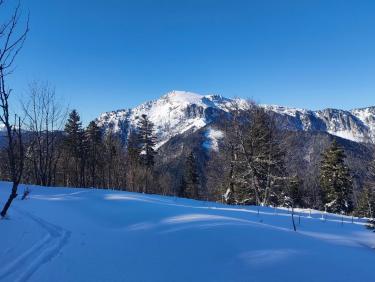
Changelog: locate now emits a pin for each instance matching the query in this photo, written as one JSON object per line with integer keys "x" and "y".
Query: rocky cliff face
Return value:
{"x": 179, "y": 112}
{"x": 356, "y": 125}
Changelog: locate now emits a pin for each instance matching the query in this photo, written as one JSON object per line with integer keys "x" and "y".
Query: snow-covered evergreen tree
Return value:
{"x": 147, "y": 141}
{"x": 335, "y": 180}
{"x": 366, "y": 200}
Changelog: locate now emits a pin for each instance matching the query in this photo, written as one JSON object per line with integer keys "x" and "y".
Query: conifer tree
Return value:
{"x": 147, "y": 141}
{"x": 335, "y": 180}
{"x": 94, "y": 144}
{"x": 75, "y": 149}
{"x": 366, "y": 200}
{"x": 192, "y": 177}
{"x": 133, "y": 151}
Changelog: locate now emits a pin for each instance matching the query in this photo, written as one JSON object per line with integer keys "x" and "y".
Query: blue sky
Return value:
{"x": 106, "y": 55}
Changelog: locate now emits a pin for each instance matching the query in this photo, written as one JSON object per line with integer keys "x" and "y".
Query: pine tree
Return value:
{"x": 335, "y": 180}
{"x": 366, "y": 200}
{"x": 366, "y": 203}
{"x": 94, "y": 144}
{"x": 133, "y": 160}
{"x": 75, "y": 149}
{"x": 147, "y": 141}
{"x": 73, "y": 128}
{"x": 192, "y": 177}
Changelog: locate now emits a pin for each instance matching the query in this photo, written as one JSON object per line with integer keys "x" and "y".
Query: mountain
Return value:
{"x": 356, "y": 125}
{"x": 174, "y": 113}
{"x": 179, "y": 112}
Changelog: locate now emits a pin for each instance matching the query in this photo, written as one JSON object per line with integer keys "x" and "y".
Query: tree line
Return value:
{"x": 57, "y": 150}
{"x": 48, "y": 145}
{"x": 255, "y": 170}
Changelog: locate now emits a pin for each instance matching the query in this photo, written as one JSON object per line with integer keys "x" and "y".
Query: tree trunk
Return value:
{"x": 12, "y": 196}
{"x": 294, "y": 224}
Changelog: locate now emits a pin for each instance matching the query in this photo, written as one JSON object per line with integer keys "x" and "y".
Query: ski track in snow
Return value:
{"x": 40, "y": 253}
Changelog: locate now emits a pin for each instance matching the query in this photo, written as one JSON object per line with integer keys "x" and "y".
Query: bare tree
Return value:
{"x": 45, "y": 119}
{"x": 11, "y": 42}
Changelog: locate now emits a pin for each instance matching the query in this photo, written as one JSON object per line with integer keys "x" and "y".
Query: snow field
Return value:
{"x": 65, "y": 234}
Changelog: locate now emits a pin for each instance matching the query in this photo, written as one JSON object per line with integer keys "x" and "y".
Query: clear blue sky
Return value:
{"x": 106, "y": 55}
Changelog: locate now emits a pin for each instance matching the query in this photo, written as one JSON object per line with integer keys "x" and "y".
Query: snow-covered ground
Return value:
{"x": 62, "y": 234}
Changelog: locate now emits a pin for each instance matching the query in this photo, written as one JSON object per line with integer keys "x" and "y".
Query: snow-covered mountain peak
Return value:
{"x": 174, "y": 113}
{"x": 178, "y": 112}
{"x": 285, "y": 110}
{"x": 182, "y": 97}
{"x": 186, "y": 98}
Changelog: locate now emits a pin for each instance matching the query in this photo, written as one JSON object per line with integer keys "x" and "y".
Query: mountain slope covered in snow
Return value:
{"x": 62, "y": 234}
{"x": 179, "y": 112}
{"x": 174, "y": 113}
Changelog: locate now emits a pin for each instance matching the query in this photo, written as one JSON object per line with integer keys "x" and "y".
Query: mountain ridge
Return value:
{"x": 177, "y": 112}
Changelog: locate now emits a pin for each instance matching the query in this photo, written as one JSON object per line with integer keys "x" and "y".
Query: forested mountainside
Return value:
{"x": 186, "y": 122}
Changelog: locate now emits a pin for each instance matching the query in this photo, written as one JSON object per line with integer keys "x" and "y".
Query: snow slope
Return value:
{"x": 213, "y": 137}
{"x": 178, "y": 112}
{"x": 62, "y": 234}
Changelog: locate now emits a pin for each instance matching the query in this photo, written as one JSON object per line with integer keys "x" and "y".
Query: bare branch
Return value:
{"x": 10, "y": 49}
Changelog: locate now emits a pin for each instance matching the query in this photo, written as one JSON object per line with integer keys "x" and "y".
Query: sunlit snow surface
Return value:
{"x": 102, "y": 235}
{"x": 213, "y": 136}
